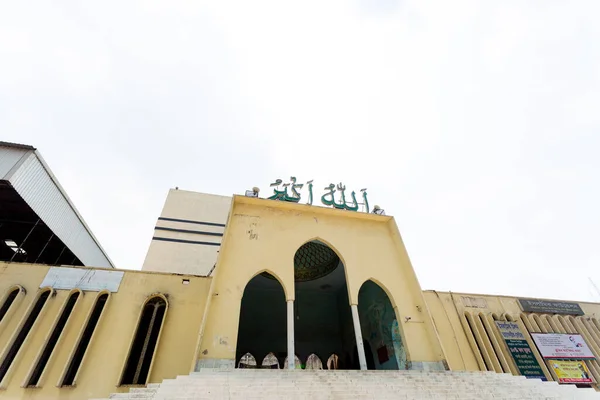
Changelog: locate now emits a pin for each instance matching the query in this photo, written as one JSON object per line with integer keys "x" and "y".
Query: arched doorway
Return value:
{"x": 262, "y": 329}
{"x": 322, "y": 315}
{"x": 380, "y": 328}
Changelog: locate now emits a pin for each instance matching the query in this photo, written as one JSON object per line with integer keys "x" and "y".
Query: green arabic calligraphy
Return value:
{"x": 283, "y": 194}
{"x": 331, "y": 189}
{"x": 280, "y": 192}
{"x": 355, "y": 206}
{"x": 295, "y": 195}
{"x": 364, "y": 192}
{"x": 310, "y": 193}
{"x": 329, "y": 199}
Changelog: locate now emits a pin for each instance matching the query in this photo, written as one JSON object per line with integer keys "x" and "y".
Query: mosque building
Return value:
{"x": 249, "y": 281}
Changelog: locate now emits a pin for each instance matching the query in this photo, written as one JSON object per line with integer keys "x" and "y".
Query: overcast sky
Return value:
{"x": 475, "y": 124}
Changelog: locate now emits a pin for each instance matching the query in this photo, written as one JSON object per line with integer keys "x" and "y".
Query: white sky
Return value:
{"x": 474, "y": 123}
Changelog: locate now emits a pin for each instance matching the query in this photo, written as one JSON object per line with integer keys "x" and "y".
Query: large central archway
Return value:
{"x": 323, "y": 319}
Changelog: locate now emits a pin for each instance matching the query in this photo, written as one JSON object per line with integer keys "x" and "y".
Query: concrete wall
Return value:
{"x": 466, "y": 327}
{"x": 103, "y": 364}
{"x": 188, "y": 233}
{"x": 264, "y": 235}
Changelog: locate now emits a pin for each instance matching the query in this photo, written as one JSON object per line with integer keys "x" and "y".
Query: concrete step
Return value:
{"x": 321, "y": 385}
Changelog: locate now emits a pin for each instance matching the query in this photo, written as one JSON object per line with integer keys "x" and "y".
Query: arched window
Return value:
{"x": 10, "y": 299}
{"x": 18, "y": 340}
{"x": 58, "y": 329}
{"x": 84, "y": 341}
{"x": 144, "y": 343}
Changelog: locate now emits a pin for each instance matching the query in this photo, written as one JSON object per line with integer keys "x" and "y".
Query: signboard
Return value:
{"x": 475, "y": 302}
{"x": 520, "y": 351}
{"x": 85, "y": 279}
{"x": 550, "y": 307}
{"x": 561, "y": 345}
{"x": 571, "y": 371}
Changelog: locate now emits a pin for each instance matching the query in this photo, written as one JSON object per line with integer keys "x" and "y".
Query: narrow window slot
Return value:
{"x": 144, "y": 344}
{"x": 10, "y": 299}
{"x": 84, "y": 342}
{"x": 23, "y": 332}
{"x": 51, "y": 343}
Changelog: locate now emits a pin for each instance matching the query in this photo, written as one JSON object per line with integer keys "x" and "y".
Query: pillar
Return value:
{"x": 291, "y": 357}
{"x": 359, "y": 341}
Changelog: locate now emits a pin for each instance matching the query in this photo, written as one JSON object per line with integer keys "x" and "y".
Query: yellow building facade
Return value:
{"x": 290, "y": 282}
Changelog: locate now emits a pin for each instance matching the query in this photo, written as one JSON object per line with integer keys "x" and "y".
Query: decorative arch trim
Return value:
{"x": 509, "y": 317}
{"x": 13, "y": 287}
{"x": 326, "y": 242}
{"x": 163, "y": 296}
{"x": 274, "y": 275}
{"x": 337, "y": 252}
{"x": 383, "y": 287}
{"x": 497, "y": 317}
{"x": 7, "y": 303}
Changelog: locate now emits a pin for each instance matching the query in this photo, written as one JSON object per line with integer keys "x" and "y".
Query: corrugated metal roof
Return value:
{"x": 32, "y": 179}
{"x": 9, "y": 158}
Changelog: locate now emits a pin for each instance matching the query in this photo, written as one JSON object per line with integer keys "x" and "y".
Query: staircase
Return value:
{"x": 216, "y": 384}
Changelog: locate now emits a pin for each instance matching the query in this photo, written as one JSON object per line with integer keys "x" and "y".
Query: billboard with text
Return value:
{"x": 561, "y": 345}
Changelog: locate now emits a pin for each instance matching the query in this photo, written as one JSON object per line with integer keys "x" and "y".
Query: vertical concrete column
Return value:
{"x": 290, "y": 335}
{"x": 359, "y": 340}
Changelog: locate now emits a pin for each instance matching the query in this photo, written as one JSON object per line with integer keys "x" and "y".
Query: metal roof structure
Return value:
{"x": 38, "y": 221}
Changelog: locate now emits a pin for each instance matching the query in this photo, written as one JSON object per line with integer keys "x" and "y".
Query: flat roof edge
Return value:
{"x": 507, "y": 296}
{"x": 17, "y": 145}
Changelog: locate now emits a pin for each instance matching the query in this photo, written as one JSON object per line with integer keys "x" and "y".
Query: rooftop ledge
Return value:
{"x": 287, "y": 205}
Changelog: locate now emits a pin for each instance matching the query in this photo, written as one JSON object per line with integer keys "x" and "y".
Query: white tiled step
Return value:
{"x": 316, "y": 385}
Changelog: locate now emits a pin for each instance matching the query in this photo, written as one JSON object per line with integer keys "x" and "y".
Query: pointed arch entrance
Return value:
{"x": 322, "y": 316}
{"x": 262, "y": 328}
{"x": 380, "y": 329}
